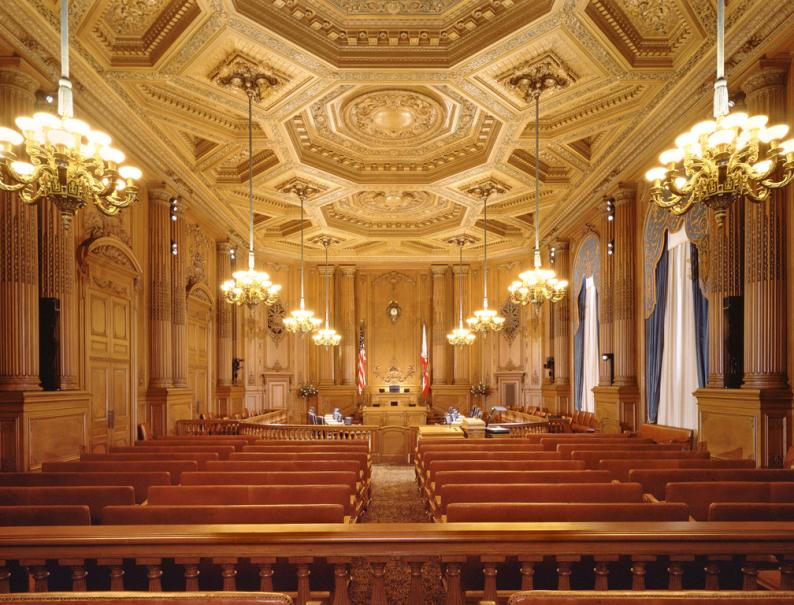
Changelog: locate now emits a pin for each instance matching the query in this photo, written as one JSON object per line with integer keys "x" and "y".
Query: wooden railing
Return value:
{"x": 269, "y": 417}
{"x": 469, "y": 556}
{"x": 303, "y": 432}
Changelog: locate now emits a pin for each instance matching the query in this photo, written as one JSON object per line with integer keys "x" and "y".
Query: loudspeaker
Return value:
{"x": 733, "y": 315}
{"x": 50, "y": 343}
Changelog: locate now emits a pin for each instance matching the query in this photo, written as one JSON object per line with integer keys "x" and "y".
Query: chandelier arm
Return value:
{"x": 683, "y": 206}
{"x": 789, "y": 176}
{"x": 485, "y": 251}
{"x": 537, "y": 179}
{"x": 326, "y": 243}
{"x": 250, "y": 182}
{"x": 460, "y": 286}
{"x": 301, "y": 196}
{"x": 65, "y": 93}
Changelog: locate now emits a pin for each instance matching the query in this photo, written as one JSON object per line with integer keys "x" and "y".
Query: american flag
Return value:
{"x": 424, "y": 361}
{"x": 361, "y": 379}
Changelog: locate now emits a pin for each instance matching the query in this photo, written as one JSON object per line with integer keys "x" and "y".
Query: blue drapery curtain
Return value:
{"x": 701, "y": 319}
{"x": 578, "y": 348}
{"x": 654, "y": 338}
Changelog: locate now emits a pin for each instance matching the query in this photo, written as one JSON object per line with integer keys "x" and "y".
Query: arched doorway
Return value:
{"x": 200, "y": 306}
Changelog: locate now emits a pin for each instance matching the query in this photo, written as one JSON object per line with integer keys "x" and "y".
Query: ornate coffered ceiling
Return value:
{"x": 392, "y": 110}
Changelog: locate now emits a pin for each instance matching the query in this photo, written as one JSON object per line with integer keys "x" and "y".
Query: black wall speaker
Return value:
{"x": 733, "y": 310}
{"x": 50, "y": 343}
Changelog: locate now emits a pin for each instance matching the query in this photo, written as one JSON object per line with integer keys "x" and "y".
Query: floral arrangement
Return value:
{"x": 308, "y": 390}
{"x": 480, "y": 389}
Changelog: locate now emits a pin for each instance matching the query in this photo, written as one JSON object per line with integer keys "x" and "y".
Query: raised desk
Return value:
{"x": 399, "y": 415}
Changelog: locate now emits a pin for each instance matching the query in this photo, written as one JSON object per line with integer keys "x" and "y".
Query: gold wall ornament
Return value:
{"x": 719, "y": 161}
{"x": 537, "y": 285}
{"x": 393, "y": 311}
{"x": 249, "y": 287}
{"x": 70, "y": 165}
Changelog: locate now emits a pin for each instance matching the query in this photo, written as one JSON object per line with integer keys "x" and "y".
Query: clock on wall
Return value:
{"x": 393, "y": 311}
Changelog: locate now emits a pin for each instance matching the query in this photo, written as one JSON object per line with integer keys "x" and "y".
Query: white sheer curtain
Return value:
{"x": 677, "y": 404}
{"x": 590, "y": 349}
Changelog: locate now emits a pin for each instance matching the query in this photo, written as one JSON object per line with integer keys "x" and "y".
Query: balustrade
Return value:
{"x": 476, "y": 561}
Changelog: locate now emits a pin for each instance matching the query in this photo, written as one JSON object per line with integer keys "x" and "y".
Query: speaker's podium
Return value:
{"x": 394, "y": 405}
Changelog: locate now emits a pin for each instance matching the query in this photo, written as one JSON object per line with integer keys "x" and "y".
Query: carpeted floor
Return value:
{"x": 395, "y": 499}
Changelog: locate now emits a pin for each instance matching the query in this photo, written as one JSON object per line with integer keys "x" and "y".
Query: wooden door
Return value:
{"x": 199, "y": 330}
{"x": 109, "y": 361}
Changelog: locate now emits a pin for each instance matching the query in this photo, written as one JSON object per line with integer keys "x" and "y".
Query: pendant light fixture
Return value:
{"x": 460, "y": 336}
{"x": 485, "y": 320}
{"x": 719, "y": 161}
{"x": 327, "y": 336}
{"x": 250, "y": 287}
{"x": 69, "y": 164}
{"x": 538, "y": 285}
{"x": 301, "y": 320}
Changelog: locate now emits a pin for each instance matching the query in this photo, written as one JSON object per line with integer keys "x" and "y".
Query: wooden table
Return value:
{"x": 441, "y": 430}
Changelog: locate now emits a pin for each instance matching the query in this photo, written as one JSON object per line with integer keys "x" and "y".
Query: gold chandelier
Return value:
{"x": 719, "y": 161}
{"x": 302, "y": 320}
{"x": 250, "y": 287}
{"x": 538, "y": 285}
{"x": 460, "y": 336}
{"x": 69, "y": 163}
{"x": 327, "y": 336}
{"x": 485, "y": 320}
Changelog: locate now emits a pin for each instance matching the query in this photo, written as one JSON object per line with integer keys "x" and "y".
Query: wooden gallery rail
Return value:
{"x": 389, "y": 444}
{"x": 314, "y": 561}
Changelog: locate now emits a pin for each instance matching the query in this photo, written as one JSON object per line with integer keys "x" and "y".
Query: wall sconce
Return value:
{"x": 610, "y": 357}
{"x": 611, "y": 209}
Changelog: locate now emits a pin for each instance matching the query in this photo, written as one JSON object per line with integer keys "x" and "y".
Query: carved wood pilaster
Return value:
{"x": 606, "y": 298}
{"x": 764, "y": 249}
{"x": 347, "y": 314}
{"x": 438, "y": 361}
{"x": 623, "y": 326}
{"x": 179, "y": 302}
{"x": 224, "y": 367}
{"x": 160, "y": 370}
{"x": 562, "y": 312}
{"x": 19, "y": 291}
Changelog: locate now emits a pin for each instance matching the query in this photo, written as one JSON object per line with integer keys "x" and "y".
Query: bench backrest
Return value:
{"x": 272, "y": 478}
{"x": 526, "y": 476}
{"x": 438, "y": 466}
{"x": 699, "y": 495}
{"x": 265, "y": 466}
{"x": 566, "y": 448}
{"x": 655, "y": 480}
{"x": 139, "y": 598}
{"x": 528, "y": 457}
{"x": 95, "y": 497}
{"x": 237, "y": 444}
{"x": 75, "y": 514}
{"x": 216, "y": 495}
{"x": 246, "y": 454}
{"x": 620, "y": 468}
{"x": 518, "y": 512}
{"x": 174, "y": 468}
{"x": 189, "y": 515}
{"x": 751, "y": 511}
{"x": 360, "y": 444}
{"x": 666, "y": 434}
{"x": 223, "y": 451}
{"x": 550, "y": 442}
{"x": 199, "y": 457}
{"x": 139, "y": 481}
{"x": 649, "y": 597}
{"x": 539, "y": 492}
{"x": 593, "y": 457}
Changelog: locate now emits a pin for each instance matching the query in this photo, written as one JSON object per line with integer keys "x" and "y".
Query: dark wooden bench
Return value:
{"x": 95, "y": 497}
{"x": 578, "y": 512}
{"x": 227, "y": 514}
{"x": 139, "y": 481}
{"x": 45, "y": 515}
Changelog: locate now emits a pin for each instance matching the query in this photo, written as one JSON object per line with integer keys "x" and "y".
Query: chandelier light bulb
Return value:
{"x": 460, "y": 336}
{"x": 327, "y": 336}
{"x": 301, "y": 320}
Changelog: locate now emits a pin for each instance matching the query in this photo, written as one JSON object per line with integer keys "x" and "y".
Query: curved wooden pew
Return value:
{"x": 75, "y": 514}
{"x": 230, "y": 441}
{"x": 620, "y": 468}
{"x": 236, "y": 514}
{"x": 700, "y": 495}
{"x": 139, "y": 455}
{"x": 592, "y": 458}
{"x": 519, "y": 512}
{"x": 139, "y": 481}
{"x": 223, "y": 451}
{"x": 566, "y": 448}
{"x": 551, "y": 442}
{"x": 94, "y": 497}
{"x": 174, "y": 468}
{"x": 654, "y": 481}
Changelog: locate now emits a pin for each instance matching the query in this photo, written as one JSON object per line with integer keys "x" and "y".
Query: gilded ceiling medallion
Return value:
{"x": 134, "y": 15}
{"x": 396, "y": 202}
{"x": 393, "y": 7}
{"x": 394, "y": 115}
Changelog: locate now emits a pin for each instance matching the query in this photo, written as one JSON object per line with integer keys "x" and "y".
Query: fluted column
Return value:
{"x": 19, "y": 292}
{"x": 347, "y": 319}
{"x": 461, "y": 291}
{"x": 623, "y": 325}
{"x": 606, "y": 298}
{"x": 764, "y": 224}
{"x": 726, "y": 269}
{"x": 57, "y": 280}
{"x": 439, "y": 359}
{"x": 562, "y": 312}
{"x": 326, "y": 356}
{"x": 160, "y": 370}
{"x": 224, "y": 355}
{"x": 179, "y": 302}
